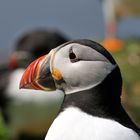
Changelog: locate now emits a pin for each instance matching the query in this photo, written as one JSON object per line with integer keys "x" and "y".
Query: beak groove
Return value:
{"x": 32, "y": 77}
{"x": 29, "y": 77}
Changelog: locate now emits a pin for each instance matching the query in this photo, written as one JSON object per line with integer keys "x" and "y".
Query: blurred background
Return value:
{"x": 113, "y": 23}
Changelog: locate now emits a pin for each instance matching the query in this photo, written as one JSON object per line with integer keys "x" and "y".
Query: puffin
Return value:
{"x": 32, "y": 44}
{"x": 21, "y": 109}
{"x": 4, "y": 73}
{"x": 91, "y": 82}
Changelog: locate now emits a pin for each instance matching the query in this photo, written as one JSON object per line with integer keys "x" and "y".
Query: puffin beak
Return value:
{"x": 38, "y": 75}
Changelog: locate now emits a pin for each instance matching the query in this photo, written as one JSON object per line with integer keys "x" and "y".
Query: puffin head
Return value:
{"x": 72, "y": 67}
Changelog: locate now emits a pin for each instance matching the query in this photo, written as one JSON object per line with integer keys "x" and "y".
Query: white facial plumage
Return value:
{"x": 89, "y": 69}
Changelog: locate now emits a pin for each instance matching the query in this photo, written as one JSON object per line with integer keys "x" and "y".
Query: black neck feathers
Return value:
{"x": 102, "y": 100}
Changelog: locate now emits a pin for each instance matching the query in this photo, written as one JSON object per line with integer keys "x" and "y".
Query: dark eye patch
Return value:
{"x": 73, "y": 58}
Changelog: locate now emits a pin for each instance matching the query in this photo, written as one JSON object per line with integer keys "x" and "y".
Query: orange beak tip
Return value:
{"x": 22, "y": 86}
{"x": 24, "y": 82}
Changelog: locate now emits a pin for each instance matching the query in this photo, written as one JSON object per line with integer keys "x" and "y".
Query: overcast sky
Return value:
{"x": 75, "y": 18}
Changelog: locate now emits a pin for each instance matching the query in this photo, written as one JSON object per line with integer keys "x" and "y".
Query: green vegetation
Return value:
{"x": 129, "y": 61}
{"x": 3, "y": 130}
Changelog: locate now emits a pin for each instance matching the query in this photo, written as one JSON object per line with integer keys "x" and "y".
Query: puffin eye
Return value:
{"x": 73, "y": 57}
